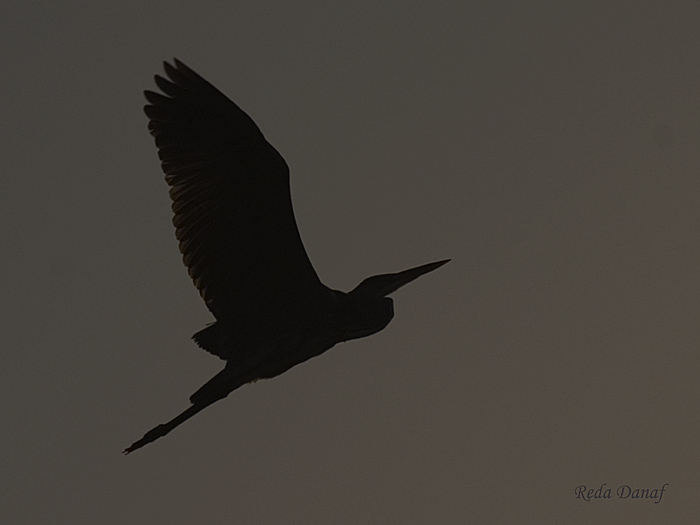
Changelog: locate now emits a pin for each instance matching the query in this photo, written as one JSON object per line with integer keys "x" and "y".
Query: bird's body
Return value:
{"x": 239, "y": 240}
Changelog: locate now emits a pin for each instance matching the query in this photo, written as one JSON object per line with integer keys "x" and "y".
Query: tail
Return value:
{"x": 213, "y": 340}
{"x": 218, "y": 387}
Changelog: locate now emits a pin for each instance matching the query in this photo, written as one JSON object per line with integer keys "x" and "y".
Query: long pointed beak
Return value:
{"x": 385, "y": 284}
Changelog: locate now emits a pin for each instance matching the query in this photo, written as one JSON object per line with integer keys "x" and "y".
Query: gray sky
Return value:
{"x": 549, "y": 148}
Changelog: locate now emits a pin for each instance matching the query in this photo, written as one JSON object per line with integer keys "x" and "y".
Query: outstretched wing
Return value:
{"x": 232, "y": 205}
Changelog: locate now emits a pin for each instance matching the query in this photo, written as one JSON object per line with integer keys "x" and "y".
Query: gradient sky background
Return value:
{"x": 551, "y": 149}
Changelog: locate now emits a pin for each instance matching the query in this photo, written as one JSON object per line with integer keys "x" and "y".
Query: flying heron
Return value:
{"x": 240, "y": 243}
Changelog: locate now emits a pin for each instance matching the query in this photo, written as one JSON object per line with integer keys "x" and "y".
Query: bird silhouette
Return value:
{"x": 239, "y": 240}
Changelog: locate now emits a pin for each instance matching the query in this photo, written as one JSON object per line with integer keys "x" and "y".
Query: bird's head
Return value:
{"x": 368, "y": 309}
